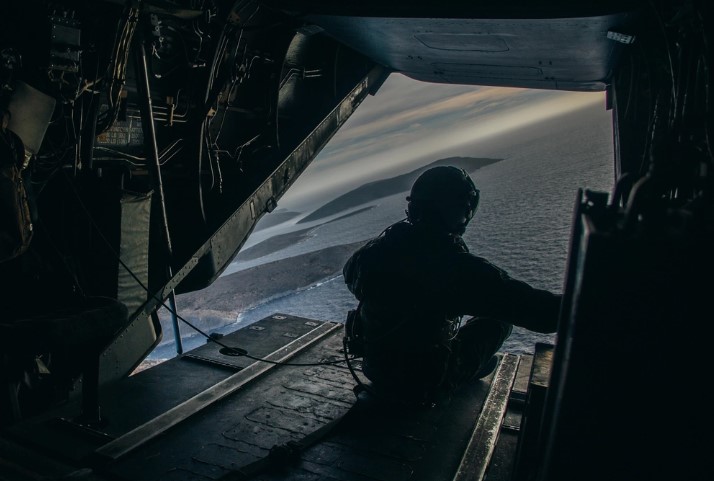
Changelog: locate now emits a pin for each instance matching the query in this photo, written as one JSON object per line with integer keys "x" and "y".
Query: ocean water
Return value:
{"x": 522, "y": 224}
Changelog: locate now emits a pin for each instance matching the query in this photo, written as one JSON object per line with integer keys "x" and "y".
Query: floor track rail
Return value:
{"x": 480, "y": 448}
{"x": 147, "y": 431}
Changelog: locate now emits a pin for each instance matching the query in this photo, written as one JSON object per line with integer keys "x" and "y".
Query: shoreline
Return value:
{"x": 223, "y": 301}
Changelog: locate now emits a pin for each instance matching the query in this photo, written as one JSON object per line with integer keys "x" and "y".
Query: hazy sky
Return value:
{"x": 407, "y": 124}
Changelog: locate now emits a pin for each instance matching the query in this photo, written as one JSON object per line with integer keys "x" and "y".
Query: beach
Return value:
{"x": 221, "y": 303}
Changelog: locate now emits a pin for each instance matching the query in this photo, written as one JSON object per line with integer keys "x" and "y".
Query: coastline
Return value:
{"x": 220, "y": 303}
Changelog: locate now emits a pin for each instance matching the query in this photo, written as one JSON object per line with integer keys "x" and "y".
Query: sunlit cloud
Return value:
{"x": 381, "y": 118}
{"x": 408, "y": 123}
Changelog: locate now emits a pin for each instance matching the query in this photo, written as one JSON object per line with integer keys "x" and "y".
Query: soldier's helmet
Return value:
{"x": 443, "y": 198}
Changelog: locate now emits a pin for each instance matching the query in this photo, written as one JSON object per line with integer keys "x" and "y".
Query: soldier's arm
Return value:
{"x": 482, "y": 289}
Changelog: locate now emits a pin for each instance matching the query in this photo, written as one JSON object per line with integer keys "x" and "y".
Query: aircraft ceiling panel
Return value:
{"x": 557, "y": 53}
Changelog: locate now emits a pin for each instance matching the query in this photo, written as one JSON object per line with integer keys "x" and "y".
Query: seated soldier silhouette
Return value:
{"x": 416, "y": 280}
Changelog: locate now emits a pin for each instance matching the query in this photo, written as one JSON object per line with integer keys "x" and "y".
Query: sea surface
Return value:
{"x": 522, "y": 224}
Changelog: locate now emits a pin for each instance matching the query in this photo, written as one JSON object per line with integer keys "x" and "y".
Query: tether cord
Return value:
{"x": 235, "y": 350}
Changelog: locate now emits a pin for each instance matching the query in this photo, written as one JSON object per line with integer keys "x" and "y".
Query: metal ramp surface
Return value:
{"x": 200, "y": 417}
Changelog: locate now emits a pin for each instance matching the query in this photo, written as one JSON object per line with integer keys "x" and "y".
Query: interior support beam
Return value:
{"x": 225, "y": 243}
